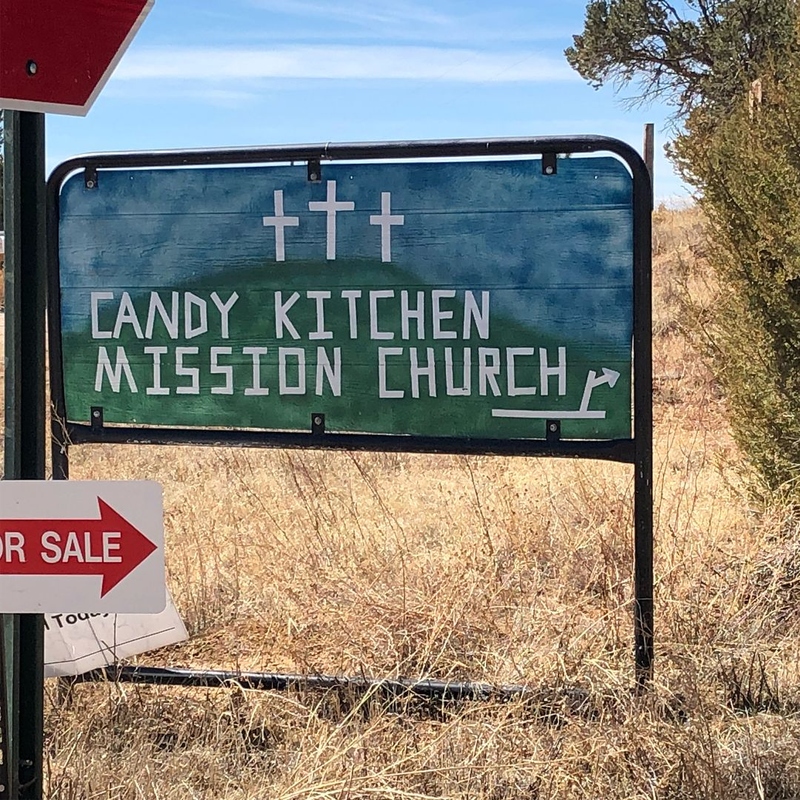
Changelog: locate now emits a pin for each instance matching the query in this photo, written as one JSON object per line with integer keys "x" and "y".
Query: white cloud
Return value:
{"x": 219, "y": 97}
{"x": 371, "y": 12}
{"x": 395, "y": 20}
{"x": 342, "y": 63}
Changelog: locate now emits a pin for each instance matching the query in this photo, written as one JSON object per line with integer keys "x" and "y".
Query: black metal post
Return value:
{"x": 649, "y": 147}
{"x": 24, "y": 457}
{"x": 643, "y": 428}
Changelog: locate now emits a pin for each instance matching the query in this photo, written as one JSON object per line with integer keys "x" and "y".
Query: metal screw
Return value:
{"x": 318, "y": 420}
{"x": 314, "y": 176}
{"x": 553, "y": 427}
{"x": 31, "y": 67}
{"x": 548, "y": 170}
{"x": 90, "y": 184}
{"x": 96, "y": 414}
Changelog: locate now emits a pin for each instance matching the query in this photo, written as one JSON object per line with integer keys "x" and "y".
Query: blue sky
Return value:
{"x": 218, "y": 73}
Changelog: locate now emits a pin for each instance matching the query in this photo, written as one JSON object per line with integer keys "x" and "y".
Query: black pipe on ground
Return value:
{"x": 265, "y": 681}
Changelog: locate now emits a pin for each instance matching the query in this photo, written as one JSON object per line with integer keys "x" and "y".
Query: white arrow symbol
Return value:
{"x": 609, "y": 376}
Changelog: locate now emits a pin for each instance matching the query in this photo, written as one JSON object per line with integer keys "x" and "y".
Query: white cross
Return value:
{"x": 386, "y": 219}
{"x": 330, "y": 207}
{"x": 279, "y": 222}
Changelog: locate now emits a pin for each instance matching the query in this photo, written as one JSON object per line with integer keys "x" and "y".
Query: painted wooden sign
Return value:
{"x": 459, "y": 298}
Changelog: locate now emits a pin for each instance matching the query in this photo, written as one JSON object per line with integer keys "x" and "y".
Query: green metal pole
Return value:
{"x": 24, "y": 457}
{"x": 9, "y": 711}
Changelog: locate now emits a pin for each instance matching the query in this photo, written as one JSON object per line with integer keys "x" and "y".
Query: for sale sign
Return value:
{"x": 81, "y": 546}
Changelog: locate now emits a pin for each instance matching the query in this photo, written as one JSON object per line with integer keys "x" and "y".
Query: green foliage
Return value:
{"x": 749, "y": 170}
{"x": 740, "y": 148}
{"x": 707, "y": 54}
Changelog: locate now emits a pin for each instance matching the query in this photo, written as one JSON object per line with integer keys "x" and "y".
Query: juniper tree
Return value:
{"x": 740, "y": 150}
{"x": 689, "y": 53}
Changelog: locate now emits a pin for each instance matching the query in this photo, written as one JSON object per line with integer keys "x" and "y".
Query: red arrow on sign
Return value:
{"x": 109, "y": 546}
{"x": 57, "y": 55}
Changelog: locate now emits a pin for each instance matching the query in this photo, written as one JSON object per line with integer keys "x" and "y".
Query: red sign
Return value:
{"x": 56, "y": 55}
{"x": 110, "y": 547}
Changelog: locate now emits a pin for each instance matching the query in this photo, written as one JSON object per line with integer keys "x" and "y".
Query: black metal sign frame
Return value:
{"x": 637, "y": 450}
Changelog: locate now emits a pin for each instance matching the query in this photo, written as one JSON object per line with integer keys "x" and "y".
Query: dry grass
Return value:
{"x": 498, "y": 570}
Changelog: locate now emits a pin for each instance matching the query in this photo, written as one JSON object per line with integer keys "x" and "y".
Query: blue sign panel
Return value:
{"x": 458, "y": 298}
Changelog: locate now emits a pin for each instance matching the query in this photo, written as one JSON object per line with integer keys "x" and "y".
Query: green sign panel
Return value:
{"x": 460, "y": 298}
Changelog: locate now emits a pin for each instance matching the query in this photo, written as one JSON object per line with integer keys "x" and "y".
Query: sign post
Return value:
{"x": 54, "y": 56}
{"x": 25, "y": 281}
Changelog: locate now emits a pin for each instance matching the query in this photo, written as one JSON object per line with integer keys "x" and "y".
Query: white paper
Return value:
{"x": 77, "y": 643}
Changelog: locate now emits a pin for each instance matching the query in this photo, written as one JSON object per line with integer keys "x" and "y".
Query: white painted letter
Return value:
{"x": 319, "y": 298}
{"x": 126, "y": 315}
{"x": 374, "y": 296}
{"x": 452, "y": 389}
{"x": 224, "y": 312}
{"x": 187, "y": 372}
{"x": 217, "y": 369}
{"x": 439, "y": 315}
{"x": 332, "y": 373}
{"x": 114, "y": 375}
{"x": 283, "y": 382}
{"x": 383, "y": 352}
{"x": 417, "y": 372}
{"x": 156, "y": 352}
{"x": 170, "y": 320}
{"x": 193, "y": 301}
{"x": 256, "y": 389}
{"x": 281, "y": 317}
{"x": 480, "y": 318}
{"x": 407, "y": 314}
{"x": 487, "y": 373}
{"x": 351, "y": 295}
{"x": 511, "y": 354}
{"x": 545, "y": 372}
{"x": 95, "y": 298}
